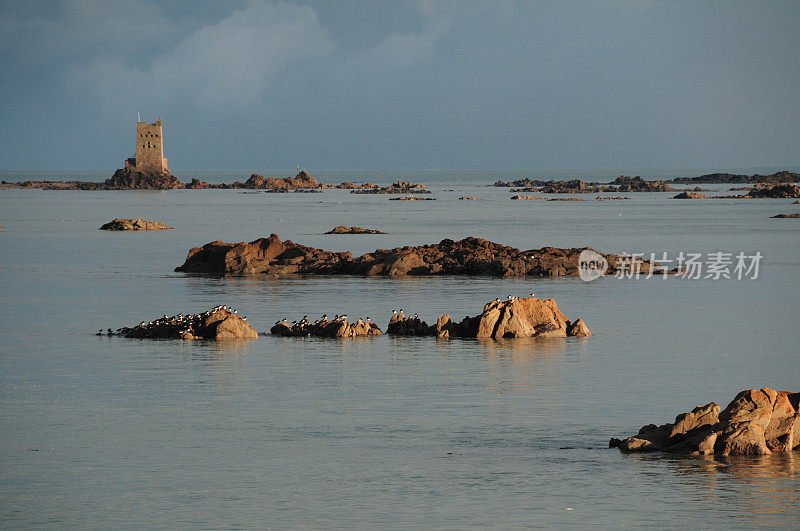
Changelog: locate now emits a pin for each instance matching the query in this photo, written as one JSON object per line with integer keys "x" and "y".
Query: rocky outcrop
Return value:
{"x": 131, "y": 179}
{"x": 259, "y": 182}
{"x": 637, "y": 184}
{"x": 400, "y": 187}
{"x": 690, "y": 195}
{"x": 469, "y": 198}
{"x": 795, "y": 215}
{"x": 527, "y": 197}
{"x": 756, "y": 422}
{"x": 342, "y": 229}
{"x": 338, "y": 328}
{"x": 133, "y": 224}
{"x": 775, "y": 191}
{"x": 197, "y": 184}
{"x": 470, "y": 256}
{"x": 513, "y": 318}
{"x": 610, "y": 198}
{"x": 219, "y": 324}
{"x": 716, "y": 178}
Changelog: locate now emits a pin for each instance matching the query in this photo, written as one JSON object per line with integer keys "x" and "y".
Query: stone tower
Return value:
{"x": 149, "y": 149}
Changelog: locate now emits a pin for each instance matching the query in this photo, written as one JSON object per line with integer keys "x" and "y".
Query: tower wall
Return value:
{"x": 150, "y": 148}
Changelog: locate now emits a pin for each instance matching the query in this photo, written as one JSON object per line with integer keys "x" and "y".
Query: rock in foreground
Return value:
{"x": 470, "y": 256}
{"x": 134, "y": 224}
{"x": 518, "y": 317}
{"x": 338, "y": 328}
{"x": 217, "y": 324}
{"x": 756, "y": 422}
{"x": 342, "y": 229}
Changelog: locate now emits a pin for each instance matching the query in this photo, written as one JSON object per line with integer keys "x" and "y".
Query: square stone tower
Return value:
{"x": 149, "y": 149}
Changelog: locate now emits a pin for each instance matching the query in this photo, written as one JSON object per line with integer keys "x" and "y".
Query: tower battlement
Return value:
{"x": 149, "y": 149}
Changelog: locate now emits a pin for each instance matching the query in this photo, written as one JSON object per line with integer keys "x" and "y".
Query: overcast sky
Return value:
{"x": 374, "y": 84}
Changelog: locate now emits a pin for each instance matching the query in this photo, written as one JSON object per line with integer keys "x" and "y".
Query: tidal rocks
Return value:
{"x": 716, "y": 178}
{"x": 609, "y": 198}
{"x": 338, "y": 328}
{"x": 575, "y": 186}
{"x": 134, "y": 224}
{"x": 795, "y": 215}
{"x": 132, "y": 179}
{"x": 259, "y": 182}
{"x": 470, "y": 256}
{"x": 527, "y": 197}
{"x": 756, "y": 422}
{"x": 197, "y": 184}
{"x": 470, "y": 198}
{"x": 776, "y": 191}
{"x": 342, "y": 229}
{"x": 219, "y": 324}
{"x": 411, "y": 198}
{"x": 514, "y": 318}
{"x": 400, "y": 187}
{"x": 690, "y": 195}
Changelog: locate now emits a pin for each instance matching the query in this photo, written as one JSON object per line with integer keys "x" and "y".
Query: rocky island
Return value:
{"x": 756, "y": 422}
{"x": 133, "y": 224}
{"x": 718, "y": 178}
{"x": 342, "y": 229}
{"x": 470, "y": 256}
{"x": 218, "y": 324}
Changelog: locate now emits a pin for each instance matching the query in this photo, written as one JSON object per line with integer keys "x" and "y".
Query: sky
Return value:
{"x": 379, "y": 84}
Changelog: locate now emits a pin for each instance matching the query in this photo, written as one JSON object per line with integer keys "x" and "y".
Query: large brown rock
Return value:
{"x": 519, "y": 317}
{"x": 470, "y": 256}
{"x": 756, "y": 422}
{"x": 133, "y": 224}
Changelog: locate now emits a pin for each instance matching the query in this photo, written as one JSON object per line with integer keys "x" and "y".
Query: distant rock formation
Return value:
{"x": 527, "y": 197}
{"x": 716, "y": 178}
{"x": 516, "y": 318}
{"x": 217, "y": 324}
{"x": 775, "y": 191}
{"x": 338, "y": 328}
{"x": 756, "y": 422}
{"x": 690, "y": 195}
{"x": 795, "y": 215}
{"x": 637, "y": 184}
{"x": 131, "y": 179}
{"x": 342, "y": 229}
{"x": 133, "y": 224}
{"x": 411, "y": 198}
{"x": 470, "y": 198}
{"x": 400, "y": 187}
{"x": 622, "y": 183}
{"x": 470, "y": 256}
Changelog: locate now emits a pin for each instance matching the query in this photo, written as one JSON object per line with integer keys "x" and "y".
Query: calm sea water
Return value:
{"x": 104, "y": 431}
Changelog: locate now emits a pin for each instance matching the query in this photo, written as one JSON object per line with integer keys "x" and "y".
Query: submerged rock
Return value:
{"x": 134, "y": 224}
{"x": 470, "y": 256}
{"x": 342, "y": 229}
{"x": 756, "y": 422}
{"x": 217, "y": 324}
{"x": 518, "y": 317}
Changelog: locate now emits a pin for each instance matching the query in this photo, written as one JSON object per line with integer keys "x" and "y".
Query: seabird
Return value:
{"x": 531, "y": 294}
{"x": 416, "y": 316}
{"x": 110, "y": 332}
{"x": 394, "y": 312}
{"x": 369, "y": 318}
{"x": 99, "y": 332}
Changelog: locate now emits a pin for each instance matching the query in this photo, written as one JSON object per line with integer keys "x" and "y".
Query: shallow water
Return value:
{"x": 381, "y": 431}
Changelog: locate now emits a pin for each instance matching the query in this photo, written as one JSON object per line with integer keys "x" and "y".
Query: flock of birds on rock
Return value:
{"x": 181, "y": 324}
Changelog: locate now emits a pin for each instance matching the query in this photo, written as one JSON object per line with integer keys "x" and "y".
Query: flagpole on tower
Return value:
{"x": 138, "y": 116}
